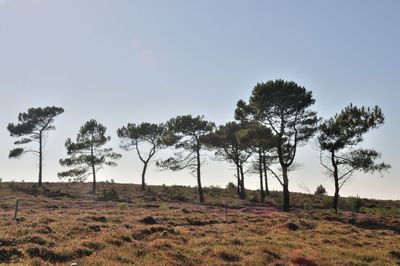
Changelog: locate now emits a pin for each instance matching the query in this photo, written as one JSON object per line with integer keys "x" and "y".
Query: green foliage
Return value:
{"x": 283, "y": 107}
{"x": 122, "y": 206}
{"x": 185, "y": 133}
{"x": 33, "y": 123}
{"x": 233, "y": 141}
{"x": 178, "y": 193}
{"x": 381, "y": 210}
{"x": 327, "y": 202}
{"x": 109, "y": 195}
{"x": 276, "y": 197}
{"x": 231, "y": 188}
{"x": 350, "y": 203}
{"x": 87, "y": 152}
{"x": 320, "y": 191}
{"x": 307, "y": 205}
{"x": 163, "y": 207}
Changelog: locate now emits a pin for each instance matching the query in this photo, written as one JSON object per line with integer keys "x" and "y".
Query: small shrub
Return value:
{"x": 292, "y": 226}
{"x": 213, "y": 191}
{"x": 228, "y": 256}
{"x": 327, "y": 202}
{"x": 101, "y": 219}
{"x": 350, "y": 203}
{"x": 307, "y": 205}
{"x": 140, "y": 202}
{"x": 109, "y": 195}
{"x": 148, "y": 220}
{"x": 122, "y": 206}
{"x": 231, "y": 188}
{"x": 115, "y": 242}
{"x": 320, "y": 191}
{"x": 94, "y": 245}
{"x": 164, "y": 207}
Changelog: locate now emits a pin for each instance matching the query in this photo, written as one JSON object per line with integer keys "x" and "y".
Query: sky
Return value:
{"x": 121, "y": 61}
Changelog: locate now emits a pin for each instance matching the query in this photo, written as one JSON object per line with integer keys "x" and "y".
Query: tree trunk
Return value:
{"x": 40, "y": 158}
{"x": 143, "y": 176}
{"x": 336, "y": 178}
{"x": 199, "y": 187}
{"x": 336, "y": 196}
{"x": 238, "y": 180}
{"x": 265, "y": 175}
{"x": 286, "y": 195}
{"x": 260, "y": 169}
{"x": 242, "y": 189}
{"x": 94, "y": 179}
{"x": 93, "y": 169}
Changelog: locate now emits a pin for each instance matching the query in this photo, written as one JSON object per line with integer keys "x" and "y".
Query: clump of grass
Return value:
{"x": 299, "y": 258}
{"x": 122, "y": 206}
{"x": 229, "y": 256}
{"x": 163, "y": 207}
{"x": 95, "y": 246}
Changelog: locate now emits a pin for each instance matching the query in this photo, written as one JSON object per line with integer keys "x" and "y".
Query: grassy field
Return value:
{"x": 59, "y": 224}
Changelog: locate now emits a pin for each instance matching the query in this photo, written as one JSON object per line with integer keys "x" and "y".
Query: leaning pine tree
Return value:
{"x": 33, "y": 127}
{"x": 339, "y": 137}
{"x": 132, "y": 136}
{"x": 87, "y": 153}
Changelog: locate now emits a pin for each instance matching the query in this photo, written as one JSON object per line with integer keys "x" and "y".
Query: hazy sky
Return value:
{"x": 134, "y": 61}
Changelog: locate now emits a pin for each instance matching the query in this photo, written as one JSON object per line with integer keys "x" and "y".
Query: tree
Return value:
{"x": 263, "y": 142}
{"x": 33, "y": 127}
{"x": 87, "y": 153}
{"x": 283, "y": 107}
{"x": 340, "y": 135}
{"x": 185, "y": 134}
{"x": 320, "y": 191}
{"x": 234, "y": 144}
{"x": 146, "y": 133}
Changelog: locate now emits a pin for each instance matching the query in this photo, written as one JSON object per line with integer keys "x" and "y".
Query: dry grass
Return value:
{"x": 63, "y": 223}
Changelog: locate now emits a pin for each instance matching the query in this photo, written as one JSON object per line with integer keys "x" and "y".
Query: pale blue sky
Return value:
{"x": 133, "y": 61}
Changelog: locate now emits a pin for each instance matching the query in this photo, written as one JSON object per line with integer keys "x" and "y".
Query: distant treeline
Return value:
{"x": 268, "y": 129}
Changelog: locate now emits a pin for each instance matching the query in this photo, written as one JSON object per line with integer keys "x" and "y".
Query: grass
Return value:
{"x": 63, "y": 223}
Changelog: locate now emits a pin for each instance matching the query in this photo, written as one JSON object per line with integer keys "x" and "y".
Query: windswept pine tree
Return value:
{"x": 134, "y": 136}
{"x": 284, "y": 108}
{"x": 339, "y": 137}
{"x": 87, "y": 154}
{"x": 33, "y": 126}
{"x": 185, "y": 134}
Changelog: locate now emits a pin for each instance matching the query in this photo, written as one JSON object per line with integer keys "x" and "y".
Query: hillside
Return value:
{"x": 62, "y": 223}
